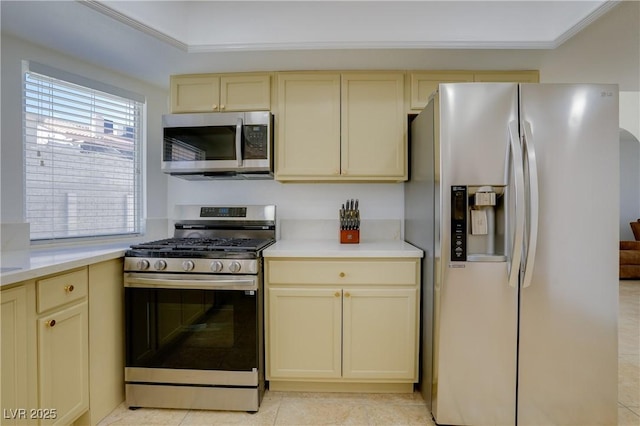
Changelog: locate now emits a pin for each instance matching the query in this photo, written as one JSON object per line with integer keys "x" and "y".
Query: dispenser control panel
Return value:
{"x": 459, "y": 223}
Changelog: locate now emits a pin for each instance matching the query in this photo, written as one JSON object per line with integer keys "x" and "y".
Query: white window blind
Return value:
{"x": 82, "y": 152}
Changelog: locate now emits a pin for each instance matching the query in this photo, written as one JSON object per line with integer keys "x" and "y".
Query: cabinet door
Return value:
{"x": 380, "y": 334}
{"x": 507, "y": 76}
{"x": 304, "y": 333}
{"x": 245, "y": 93}
{"x": 195, "y": 93}
{"x": 308, "y": 126}
{"x": 14, "y": 331}
{"x": 63, "y": 362}
{"x": 106, "y": 340}
{"x": 423, "y": 84}
{"x": 374, "y": 137}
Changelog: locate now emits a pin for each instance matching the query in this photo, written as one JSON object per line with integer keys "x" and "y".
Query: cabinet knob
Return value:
{"x": 69, "y": 288}
{"x": 215, "y": 107}
{"x": 222, "y": 106}
{"x": 347, "y": 294}
{"x": 342, "y": 274}
{"x": 337, "y": 294}
{"x": 51, "y": 323}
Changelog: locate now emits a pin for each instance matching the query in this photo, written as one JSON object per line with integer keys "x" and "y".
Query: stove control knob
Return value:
{"x": 234, "y": 267}
{"x": 142, "y": 264}
{"x": 160, "y": 265}
{"x": 216, "y": 266}
{"x": 188, "y": 265}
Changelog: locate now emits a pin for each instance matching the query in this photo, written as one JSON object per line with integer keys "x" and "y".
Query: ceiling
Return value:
{"x": 150, "y": 40}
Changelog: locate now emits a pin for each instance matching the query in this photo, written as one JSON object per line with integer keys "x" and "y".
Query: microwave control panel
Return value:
{"x": 256, "y": 141}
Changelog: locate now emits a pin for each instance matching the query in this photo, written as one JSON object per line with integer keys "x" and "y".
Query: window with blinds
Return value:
{"x": 82, "y": 154}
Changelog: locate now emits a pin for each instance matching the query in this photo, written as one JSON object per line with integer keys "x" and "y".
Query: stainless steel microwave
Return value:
{"x": 223, "y": 145}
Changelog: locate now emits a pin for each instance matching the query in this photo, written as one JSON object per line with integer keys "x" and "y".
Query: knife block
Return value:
{"x": 349, "y": 236}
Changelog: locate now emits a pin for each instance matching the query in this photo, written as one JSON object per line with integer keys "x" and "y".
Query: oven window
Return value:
{"x": 192, "y": 329}
{"x": 200, "y": 143}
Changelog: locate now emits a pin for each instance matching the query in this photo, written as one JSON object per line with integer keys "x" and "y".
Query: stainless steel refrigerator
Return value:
{"x": 513, "y": 196}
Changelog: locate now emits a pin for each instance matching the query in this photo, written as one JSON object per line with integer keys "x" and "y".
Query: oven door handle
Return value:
{"x": 186, "y": 283}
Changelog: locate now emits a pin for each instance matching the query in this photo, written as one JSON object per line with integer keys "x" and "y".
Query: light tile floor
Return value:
{"x": 293, "y": 408}
{"x": 629, "y": 353}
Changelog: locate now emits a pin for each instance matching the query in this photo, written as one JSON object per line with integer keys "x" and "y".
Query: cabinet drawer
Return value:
{"x": 385, "y": 272}
{"x": 61, "y": 289}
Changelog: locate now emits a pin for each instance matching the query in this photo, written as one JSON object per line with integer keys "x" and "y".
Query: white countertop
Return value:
{"x": 333, "y": 248}
{"x": 21, "y": 265}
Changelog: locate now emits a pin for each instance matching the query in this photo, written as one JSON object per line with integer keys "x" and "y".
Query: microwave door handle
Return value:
{"x": 239, "y": 141}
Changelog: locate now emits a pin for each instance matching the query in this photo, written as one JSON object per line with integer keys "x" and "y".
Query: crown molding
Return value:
{"x": 133, "y": 23}
{"x": 346, "y": 45}
{"x": 336, "y": 45}
{"x": 588, "y": 20}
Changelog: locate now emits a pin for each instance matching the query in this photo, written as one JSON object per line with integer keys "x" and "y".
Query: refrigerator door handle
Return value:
{"x": 533, "y": 203}
{"x": 513, "y": 268}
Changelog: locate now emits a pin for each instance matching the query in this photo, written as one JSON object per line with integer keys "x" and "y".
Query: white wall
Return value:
{"x": 14, "y": 51}
{"x": 607, "y": 51}
{"x": 588, "y": 57}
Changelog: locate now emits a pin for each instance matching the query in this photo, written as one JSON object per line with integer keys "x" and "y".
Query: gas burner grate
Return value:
{"x": 204, "y": 244}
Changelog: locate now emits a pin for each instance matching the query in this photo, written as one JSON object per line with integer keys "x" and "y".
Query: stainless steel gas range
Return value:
{"x": 194, "y": 309}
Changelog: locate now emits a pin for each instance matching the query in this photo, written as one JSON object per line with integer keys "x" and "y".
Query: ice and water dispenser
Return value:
{"x": 478, "y": 223}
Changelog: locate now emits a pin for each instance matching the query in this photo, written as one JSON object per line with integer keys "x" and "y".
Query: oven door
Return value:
{"x": 192, "y": 329}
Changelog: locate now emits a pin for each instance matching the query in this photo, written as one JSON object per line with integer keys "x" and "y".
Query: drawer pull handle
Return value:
{"x": 69, "y": 288}
{"x": 342, "y": 274}
{"x": 347, "y": 294}
{"x": 337, "y": 294}
{"x": 51, "y": 323}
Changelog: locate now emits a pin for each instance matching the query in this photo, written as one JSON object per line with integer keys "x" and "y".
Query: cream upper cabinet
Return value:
{"x": 507, "y": 76}
{"x": 347, "y": 127}
{"x": 220, "y": 92}
{"x": 245, "y": 92}
{"x": 195, "y": 93}
{"x": 374, "y": 136}
{"x": 336, "y": 321}
{"x": 308, "y": 126}
{"x": 423, "y": 83}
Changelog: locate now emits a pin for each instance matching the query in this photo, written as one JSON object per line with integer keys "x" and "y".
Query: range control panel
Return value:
{"x": 459, "y": 223}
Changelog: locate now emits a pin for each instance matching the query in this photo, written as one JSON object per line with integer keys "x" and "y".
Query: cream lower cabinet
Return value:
{"x": 51, "y": 372}
{"x": 15, "y": 366}
{"x": 63, "y": 363}
{"x": 379, "y": 334}
{"x": 341, "y": 126}
{"x": 106, "y": 340}
{"x": 63, "y": 346}
{"x": 305, "y": 333}
{"x": 342, "y": 322}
